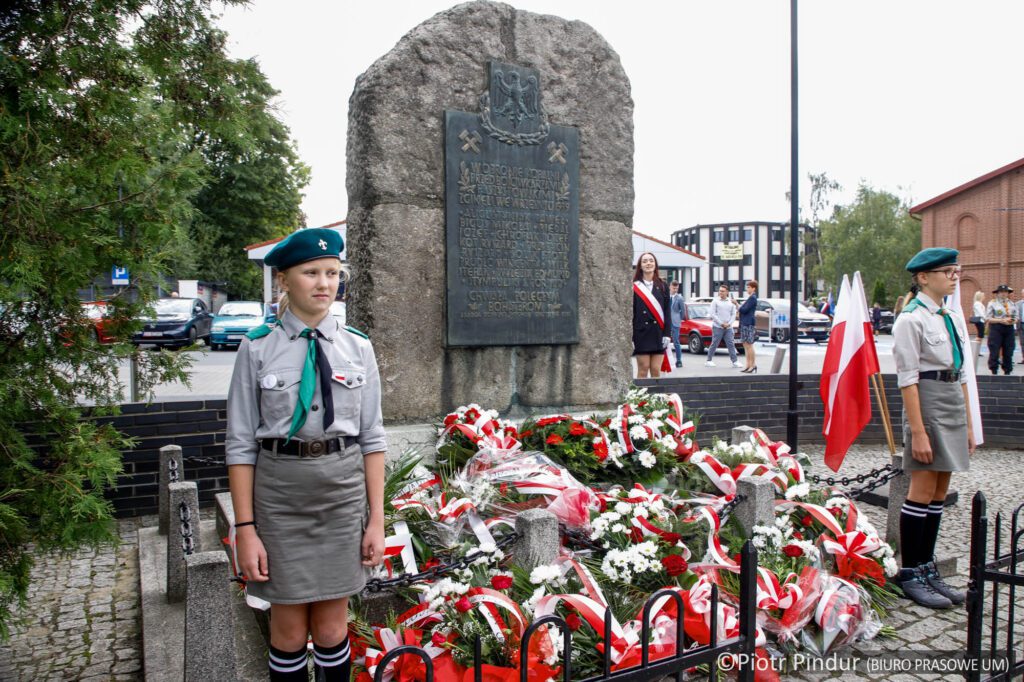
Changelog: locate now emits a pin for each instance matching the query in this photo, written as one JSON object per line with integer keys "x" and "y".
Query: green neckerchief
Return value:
{"x": 307, "y": 386}
{"x": 958, "y": 353}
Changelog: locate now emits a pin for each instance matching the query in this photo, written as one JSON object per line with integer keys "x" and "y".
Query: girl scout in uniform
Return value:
{"x": 305, "y": 454}
{"x": 928, "y": 348}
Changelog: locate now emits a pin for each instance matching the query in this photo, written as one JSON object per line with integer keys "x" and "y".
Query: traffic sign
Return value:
{"x": 119, "y": 276}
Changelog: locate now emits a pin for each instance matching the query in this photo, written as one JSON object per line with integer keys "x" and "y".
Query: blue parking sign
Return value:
{"x": 119, "y": 276}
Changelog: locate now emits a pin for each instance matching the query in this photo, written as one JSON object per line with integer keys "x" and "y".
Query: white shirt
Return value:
{"x": 722, "y": 312}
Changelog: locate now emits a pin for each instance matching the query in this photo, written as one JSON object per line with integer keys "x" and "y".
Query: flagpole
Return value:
{"x": 793, "y": 414}
{"x": 883, "y": 406}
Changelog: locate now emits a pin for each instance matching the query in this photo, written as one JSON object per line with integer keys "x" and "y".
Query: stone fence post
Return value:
{"x": 898, "y": 489}
{"x": 758, "y": 505}
{"x": 168, "y": 453}
{"x": 741, "y": 434}
{"x": 209, "y": 621}
{"x": 538, "y": 541}
{"x": 188, "y": 494}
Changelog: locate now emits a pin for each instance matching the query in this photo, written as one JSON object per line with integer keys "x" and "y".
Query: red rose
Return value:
{"x": 437, "y": 639}
{"x": 792, "y": 551}
{"x": 798, "y": 535}
{"x": 671, "y": 538}
{"x": 836, "y": 512}
{"x": 807, "y": 520}
{"x": 573, "y": 621}
{"x": 577, "y": 429}
{"x": 430, "y": 563}
{"x": 451, "y": 419}
{"x": 501, "y": 582}
{"x": 463, "y": 605}
{"x": 602, "y": 505}
{"x": 503, "y": 488}
{"x": 554, "y": 439}
{"x": 607, "y": 422}
{"x": 641, "y": 403}
{"x": 674, "y": 565}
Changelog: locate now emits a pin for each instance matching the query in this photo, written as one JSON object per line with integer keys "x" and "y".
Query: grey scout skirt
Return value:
{"x": 945, "y": 422}
{"x": 311, "y": 512}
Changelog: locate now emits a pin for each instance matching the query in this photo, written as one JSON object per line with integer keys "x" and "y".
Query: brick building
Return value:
{"x": 984, "y": 219}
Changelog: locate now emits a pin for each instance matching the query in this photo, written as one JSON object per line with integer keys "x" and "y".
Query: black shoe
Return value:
{"x": 917, "y": 588}
{"x": 679, "y": 364}
{"x": 931, "y": 573}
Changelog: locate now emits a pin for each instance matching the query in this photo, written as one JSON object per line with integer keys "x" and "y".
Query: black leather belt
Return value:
{"x": 946, "y": 375}
{"x": 313, "y": 448}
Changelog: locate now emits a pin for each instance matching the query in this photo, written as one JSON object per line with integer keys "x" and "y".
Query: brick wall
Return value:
{"x": 198, "y": 426}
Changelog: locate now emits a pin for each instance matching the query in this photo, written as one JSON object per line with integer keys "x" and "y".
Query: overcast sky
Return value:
{"x": 911, "y": 96}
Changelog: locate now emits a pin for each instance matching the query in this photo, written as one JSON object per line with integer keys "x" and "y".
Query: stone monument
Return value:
{"x": 490, "y": 186}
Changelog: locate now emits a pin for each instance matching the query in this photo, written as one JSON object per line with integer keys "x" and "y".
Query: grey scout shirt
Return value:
{"x": 265, "y": 389}
{"x": 921, "y": 342}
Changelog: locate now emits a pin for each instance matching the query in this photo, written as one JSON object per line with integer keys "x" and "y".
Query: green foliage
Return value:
{"x": 875, "y": 234}
{"x": 121, "y": 125}
{"x": 879, "y": 294}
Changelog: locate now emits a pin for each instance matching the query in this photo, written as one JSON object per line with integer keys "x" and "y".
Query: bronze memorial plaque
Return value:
{"x": 511, "y": 218}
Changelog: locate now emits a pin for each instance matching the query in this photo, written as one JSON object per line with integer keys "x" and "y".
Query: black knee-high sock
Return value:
{"x": 288, "y": 666}
{"x": 931, "y": 530}
{"x": 332, "y": 664}
{"x": 913, "y": 519}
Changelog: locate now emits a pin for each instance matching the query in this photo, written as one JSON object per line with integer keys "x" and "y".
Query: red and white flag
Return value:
{"x": 850, "y": 360}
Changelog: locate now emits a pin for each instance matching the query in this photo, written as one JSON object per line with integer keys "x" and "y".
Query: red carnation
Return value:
{"x": 437, "y": 639}
{"x": 527, "y": 432}
{"x": 641, "y": 403}
{"x": 601, "y": 451}
{"x": 463, "y": 605}
{"x": 554, "y": 439}
{"x": 573, "y": 621}
{"x": 807, "y": 520}
{"x": 501, "y": 582}
{"x": 451, "y": 419}
{"x": 503, "y": 488}
{"x": 674, "y": 564}
{"x": 671, "y": 538}
{"x": 798, "y": 535}
{"x": 430, "y": 563}
{"x": 577, "y": 429}
{"x": 472, "y": 415}
{"x": 792, "y": 551}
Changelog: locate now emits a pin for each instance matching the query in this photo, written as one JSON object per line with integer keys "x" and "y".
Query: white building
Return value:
{"x": 739, "y": 252}
{"x": 684, "y": 265}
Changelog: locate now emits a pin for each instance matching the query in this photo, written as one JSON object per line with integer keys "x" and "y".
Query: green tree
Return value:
{"x": 112, "y": 113}
{"x": 879, "y": 294}
{"x": 875, "y": 235}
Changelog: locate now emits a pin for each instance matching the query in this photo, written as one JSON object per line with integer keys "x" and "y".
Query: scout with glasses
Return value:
{"x": 1001, "y": 316}
{"x": 305, "y": 453}
{"x": 928, "y": 346}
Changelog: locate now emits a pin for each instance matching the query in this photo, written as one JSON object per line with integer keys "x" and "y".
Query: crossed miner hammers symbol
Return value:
{"x": 471, "y": 140}
{"x": 557, "y": 152}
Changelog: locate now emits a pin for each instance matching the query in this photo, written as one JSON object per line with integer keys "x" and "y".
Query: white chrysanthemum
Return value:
{"x": 747, "y": 448}
{"x": 798, "y": 491}
{"x": 668, "y": 442}
{"x": 545, "y": 573}
{"x": 636, "y": 419}
{"x": 638, "y": 433}
{"x": 759, "y": 541}
{"x": 655, "y": 423}
{"x": 647, "y": 459}
{"x": 889, "y": 566}
{"x": 781, "y": 522}
{"x": 618, "y": 528}
{"x": 623, "y": 508}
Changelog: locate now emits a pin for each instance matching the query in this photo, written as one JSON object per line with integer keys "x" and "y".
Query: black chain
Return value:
{"x": 730, "y": 506}
{"x": 434, "y": 572}
{"x": 857, "y": 493}
{"x": 188, "y": 545}
{"x": 860, "y": 478}
{"x": 172, "y": 469}
{"x": 578, "y": 538}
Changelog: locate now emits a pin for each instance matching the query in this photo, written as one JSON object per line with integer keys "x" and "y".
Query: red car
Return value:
{"x": 99, "y": 314}
{"x": 695, "y": 328}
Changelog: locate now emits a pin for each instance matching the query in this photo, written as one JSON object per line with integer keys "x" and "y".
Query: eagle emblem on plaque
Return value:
{"x": 511, "y": 109}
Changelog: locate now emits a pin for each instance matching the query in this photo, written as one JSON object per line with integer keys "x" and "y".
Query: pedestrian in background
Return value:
{"x": 305, "y": 453}
{"x": 928, "y": 343}
{"x": 748, "y": 328}
{"x": 1020, "y": 324}
{"x": 978, "y": 314}
{"x": 723, "y": 314}
{"x": 650, "y": 306}
{"x": 876, "y": 317}
{"x": 1001, "y": 316}
{"x": 676, "y": 305}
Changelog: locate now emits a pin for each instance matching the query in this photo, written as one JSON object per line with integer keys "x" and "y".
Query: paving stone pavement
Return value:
{"x": 82, "y": 621}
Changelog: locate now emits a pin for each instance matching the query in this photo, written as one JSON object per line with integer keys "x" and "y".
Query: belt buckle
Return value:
{"x": 317, "y": 448}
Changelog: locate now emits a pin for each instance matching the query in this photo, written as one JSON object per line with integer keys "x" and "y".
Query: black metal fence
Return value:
{"x": 997, "y": 661}
{"x": 685, "y": 658}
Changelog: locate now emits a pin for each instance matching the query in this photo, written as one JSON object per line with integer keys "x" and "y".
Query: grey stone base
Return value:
{"x": 879, "y": 497}
{"x": 163, "y": 624}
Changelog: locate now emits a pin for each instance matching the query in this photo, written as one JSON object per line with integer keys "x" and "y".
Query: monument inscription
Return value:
{"x": 511, "y": 218}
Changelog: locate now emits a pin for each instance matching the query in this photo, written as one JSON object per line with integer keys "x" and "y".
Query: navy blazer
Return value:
{"x": 748, "y": 308}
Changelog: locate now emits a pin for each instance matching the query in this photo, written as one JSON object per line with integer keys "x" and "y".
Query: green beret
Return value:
{"x": 931, "y": 259}
{"x": 305, "y": 245}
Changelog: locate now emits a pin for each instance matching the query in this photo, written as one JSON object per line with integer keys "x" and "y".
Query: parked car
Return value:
{"x": 885, "y": 326}
{"x": 176, "y": 322}
{"x": 810, "y": 325}
{"x": 99, "y": 314}
{"x": 695, "y": 327}
{"x": 234, "y": 320}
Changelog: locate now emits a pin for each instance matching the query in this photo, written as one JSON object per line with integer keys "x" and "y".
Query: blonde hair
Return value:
{"x": 979, "y": 297}
{"x": 282, "y": 300}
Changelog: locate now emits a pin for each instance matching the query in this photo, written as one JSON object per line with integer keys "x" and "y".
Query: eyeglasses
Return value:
{"x": 950, "y": 273}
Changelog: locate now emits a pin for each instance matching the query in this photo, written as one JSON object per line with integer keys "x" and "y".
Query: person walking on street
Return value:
{"x": 1001, "y": 316}
{"x": 876, "y": 317}
{"x": 650, "y": 306}
{"x": 748, "y": 328}
{"x": 723, "y": 314}
{"x": 928, "y": 347}
{"x": 676, "y": 305}
{"x": 305, "y": 448}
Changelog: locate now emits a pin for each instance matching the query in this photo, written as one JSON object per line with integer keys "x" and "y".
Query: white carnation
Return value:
{"x": 647, "y": 459}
